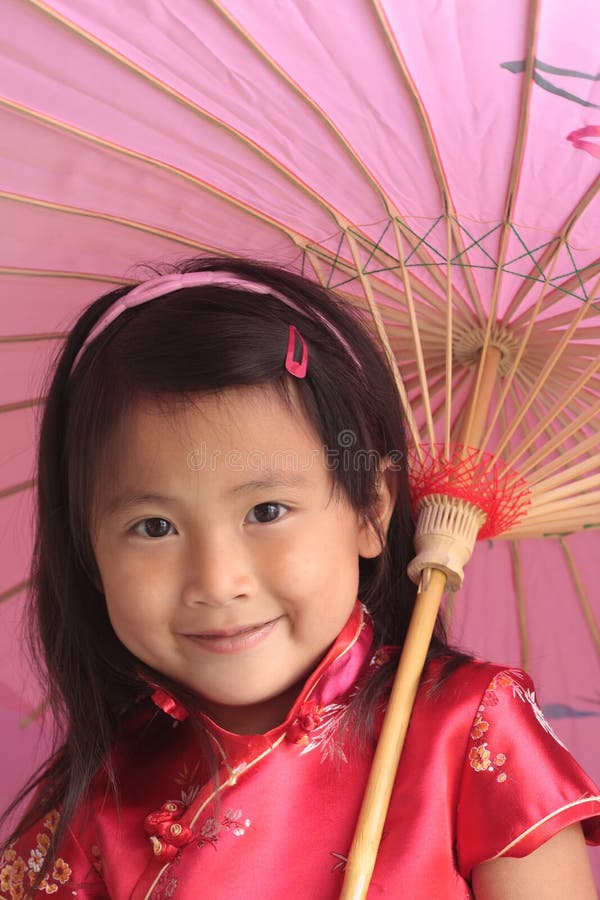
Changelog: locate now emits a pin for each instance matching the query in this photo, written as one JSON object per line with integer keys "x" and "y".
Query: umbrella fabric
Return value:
{"x": 513, "y": 607}
{"x": 435, "y": 162}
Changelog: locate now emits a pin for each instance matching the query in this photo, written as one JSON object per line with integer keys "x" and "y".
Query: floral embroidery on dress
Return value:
{"x": 483, "y": 759}
{"x": 14, "y": 870}
{"x": 528, "y": 696}
{"x": 315, "y": 726}
{"x": 232, "y": 820}
{"x": 167, "y": 884}
{"x": 340, "y": 865}
{"x": 189, "y": 786}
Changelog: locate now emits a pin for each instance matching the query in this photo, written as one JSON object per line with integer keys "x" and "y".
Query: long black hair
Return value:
{"x": 194, "y": 340}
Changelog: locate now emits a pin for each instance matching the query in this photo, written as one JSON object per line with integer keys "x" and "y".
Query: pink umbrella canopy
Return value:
{"x": 437, "y": 163}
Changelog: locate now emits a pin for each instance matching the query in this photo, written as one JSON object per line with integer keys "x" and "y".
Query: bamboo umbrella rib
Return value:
{"x": 572, "y": 358}
{"x": 511, "y": 197}
{"x": 543, "y": 375}
{"x": 586, "y": 606}
{"x": 412, "y": 425}
{"x": 557, "y": 438}
{"x": 315, "y": 254}
{"x": 585, "y": 504}
{"x": 555, "y": 526}
{"x": 416, "y": 338}
{"x": 519, "y": 149}
{"x": 520, "y": 602}
{"x": 15, "y": 589}
{"x": 589, "y": 393}
{"x": 384, "y": 340}
{"x": 449, "y": 394}
{"x": 440, "y": 409}
{"x": 552, "y": 528}
{"x": 60, "y": 273}
{"x": 29, "y": 338}
{"x": 16, "y": 489}
{"x": 575, "y": 424}
{"x": 503, "y": 413}
{"x": 383, "y": 287}
{"x": 22, "y": 404}
{"x": 152, "y": 161}
{"x": 552, "y": 325}
{"x": 391, "y": 211}
{"x": 432, "y": 149}
{"x": 550, "y": 253}
{"x": 561, "y": 516}
{"x": 198, "y": 110}
{"x": 104, "y": 217}
{"x": 559, "y": 382}
{"x": 433, "y": 268}
{"x": 33, "y": 716}
{"x": 542, "y": 474}
{"x": 567, "y": 493}
{"x": 433, "y": 335}
{"x": 431, "y": 330}
{"x": 390, "y": 263}
{"x": 299, "y": 239}
{"x": 568, "y": 287}
{"x": 546, "y": 417}
{"x": 306, "y": 98}
{"x": 180, "y": 239}
{"x": 517, "y": 399}
{"x": 436, "y": 376}
{"x": 554, "y": 391}
{"x": 554, "y": 422}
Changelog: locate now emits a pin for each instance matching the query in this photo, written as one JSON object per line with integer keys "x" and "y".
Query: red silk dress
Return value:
{"x": 481, "y": 776}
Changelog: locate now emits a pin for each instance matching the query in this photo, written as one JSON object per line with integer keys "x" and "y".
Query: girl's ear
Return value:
{"x": 370, "y": 543}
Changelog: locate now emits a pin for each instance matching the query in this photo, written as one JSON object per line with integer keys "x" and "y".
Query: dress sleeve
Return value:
{"x": 519, "y": 784}
{"x": 75, "y": 873}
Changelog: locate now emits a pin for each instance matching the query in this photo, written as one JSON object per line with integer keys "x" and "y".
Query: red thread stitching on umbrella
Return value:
{"x": 469, "y": 475}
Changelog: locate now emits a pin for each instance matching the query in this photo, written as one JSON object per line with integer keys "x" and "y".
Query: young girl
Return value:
{"x": 221, "y": 475}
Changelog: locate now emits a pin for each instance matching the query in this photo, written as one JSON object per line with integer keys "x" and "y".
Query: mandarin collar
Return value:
{"x": 335, "y": 675}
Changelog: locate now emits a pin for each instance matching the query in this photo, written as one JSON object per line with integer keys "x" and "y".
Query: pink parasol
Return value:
{"x": 436, "y": 163}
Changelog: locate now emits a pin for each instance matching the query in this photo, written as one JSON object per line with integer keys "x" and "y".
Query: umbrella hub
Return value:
{"x": 467, "y": 344}
{"x": 445, "y": 535}
{"x": 458, "y": 497}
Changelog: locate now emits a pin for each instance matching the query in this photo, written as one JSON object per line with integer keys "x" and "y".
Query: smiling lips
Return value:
{"x": 232, "y": 640}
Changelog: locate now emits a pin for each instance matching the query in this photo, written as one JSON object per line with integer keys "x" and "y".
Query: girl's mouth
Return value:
{"x": 233, "y": 640}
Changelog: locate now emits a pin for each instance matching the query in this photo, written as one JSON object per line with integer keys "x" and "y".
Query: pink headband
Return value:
{"x": 166, "y": 284}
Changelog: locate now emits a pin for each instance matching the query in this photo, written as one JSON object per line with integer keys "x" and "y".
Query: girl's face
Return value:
{"x": 226, "y": 561}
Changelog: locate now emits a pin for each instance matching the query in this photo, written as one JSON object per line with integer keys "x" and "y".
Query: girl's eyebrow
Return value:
{"x": 278, "y": 479}
{"x": 131, "y": 498}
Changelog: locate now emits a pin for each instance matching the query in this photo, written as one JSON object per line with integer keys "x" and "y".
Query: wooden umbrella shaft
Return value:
{"x": 363, "y": 852}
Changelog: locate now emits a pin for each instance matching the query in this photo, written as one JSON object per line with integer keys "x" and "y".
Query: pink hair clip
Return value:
{"x": 298, "y": 369}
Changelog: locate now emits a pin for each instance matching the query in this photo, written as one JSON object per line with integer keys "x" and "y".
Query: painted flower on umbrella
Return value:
{"x": 591, "y": 147}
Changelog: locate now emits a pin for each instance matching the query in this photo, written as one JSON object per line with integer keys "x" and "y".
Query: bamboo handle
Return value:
{"x": 363, "y": 852}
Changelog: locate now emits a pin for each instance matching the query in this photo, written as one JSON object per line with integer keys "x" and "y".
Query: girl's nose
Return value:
{"x": 218, "y": 571}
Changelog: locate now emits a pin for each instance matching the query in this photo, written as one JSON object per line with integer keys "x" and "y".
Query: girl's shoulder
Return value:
{"x": 509, "y": 776}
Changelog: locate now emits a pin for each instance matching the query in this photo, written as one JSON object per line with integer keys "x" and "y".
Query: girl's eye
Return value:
{"x": 153, "y": 528}
{"x": 266, "y": 512}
